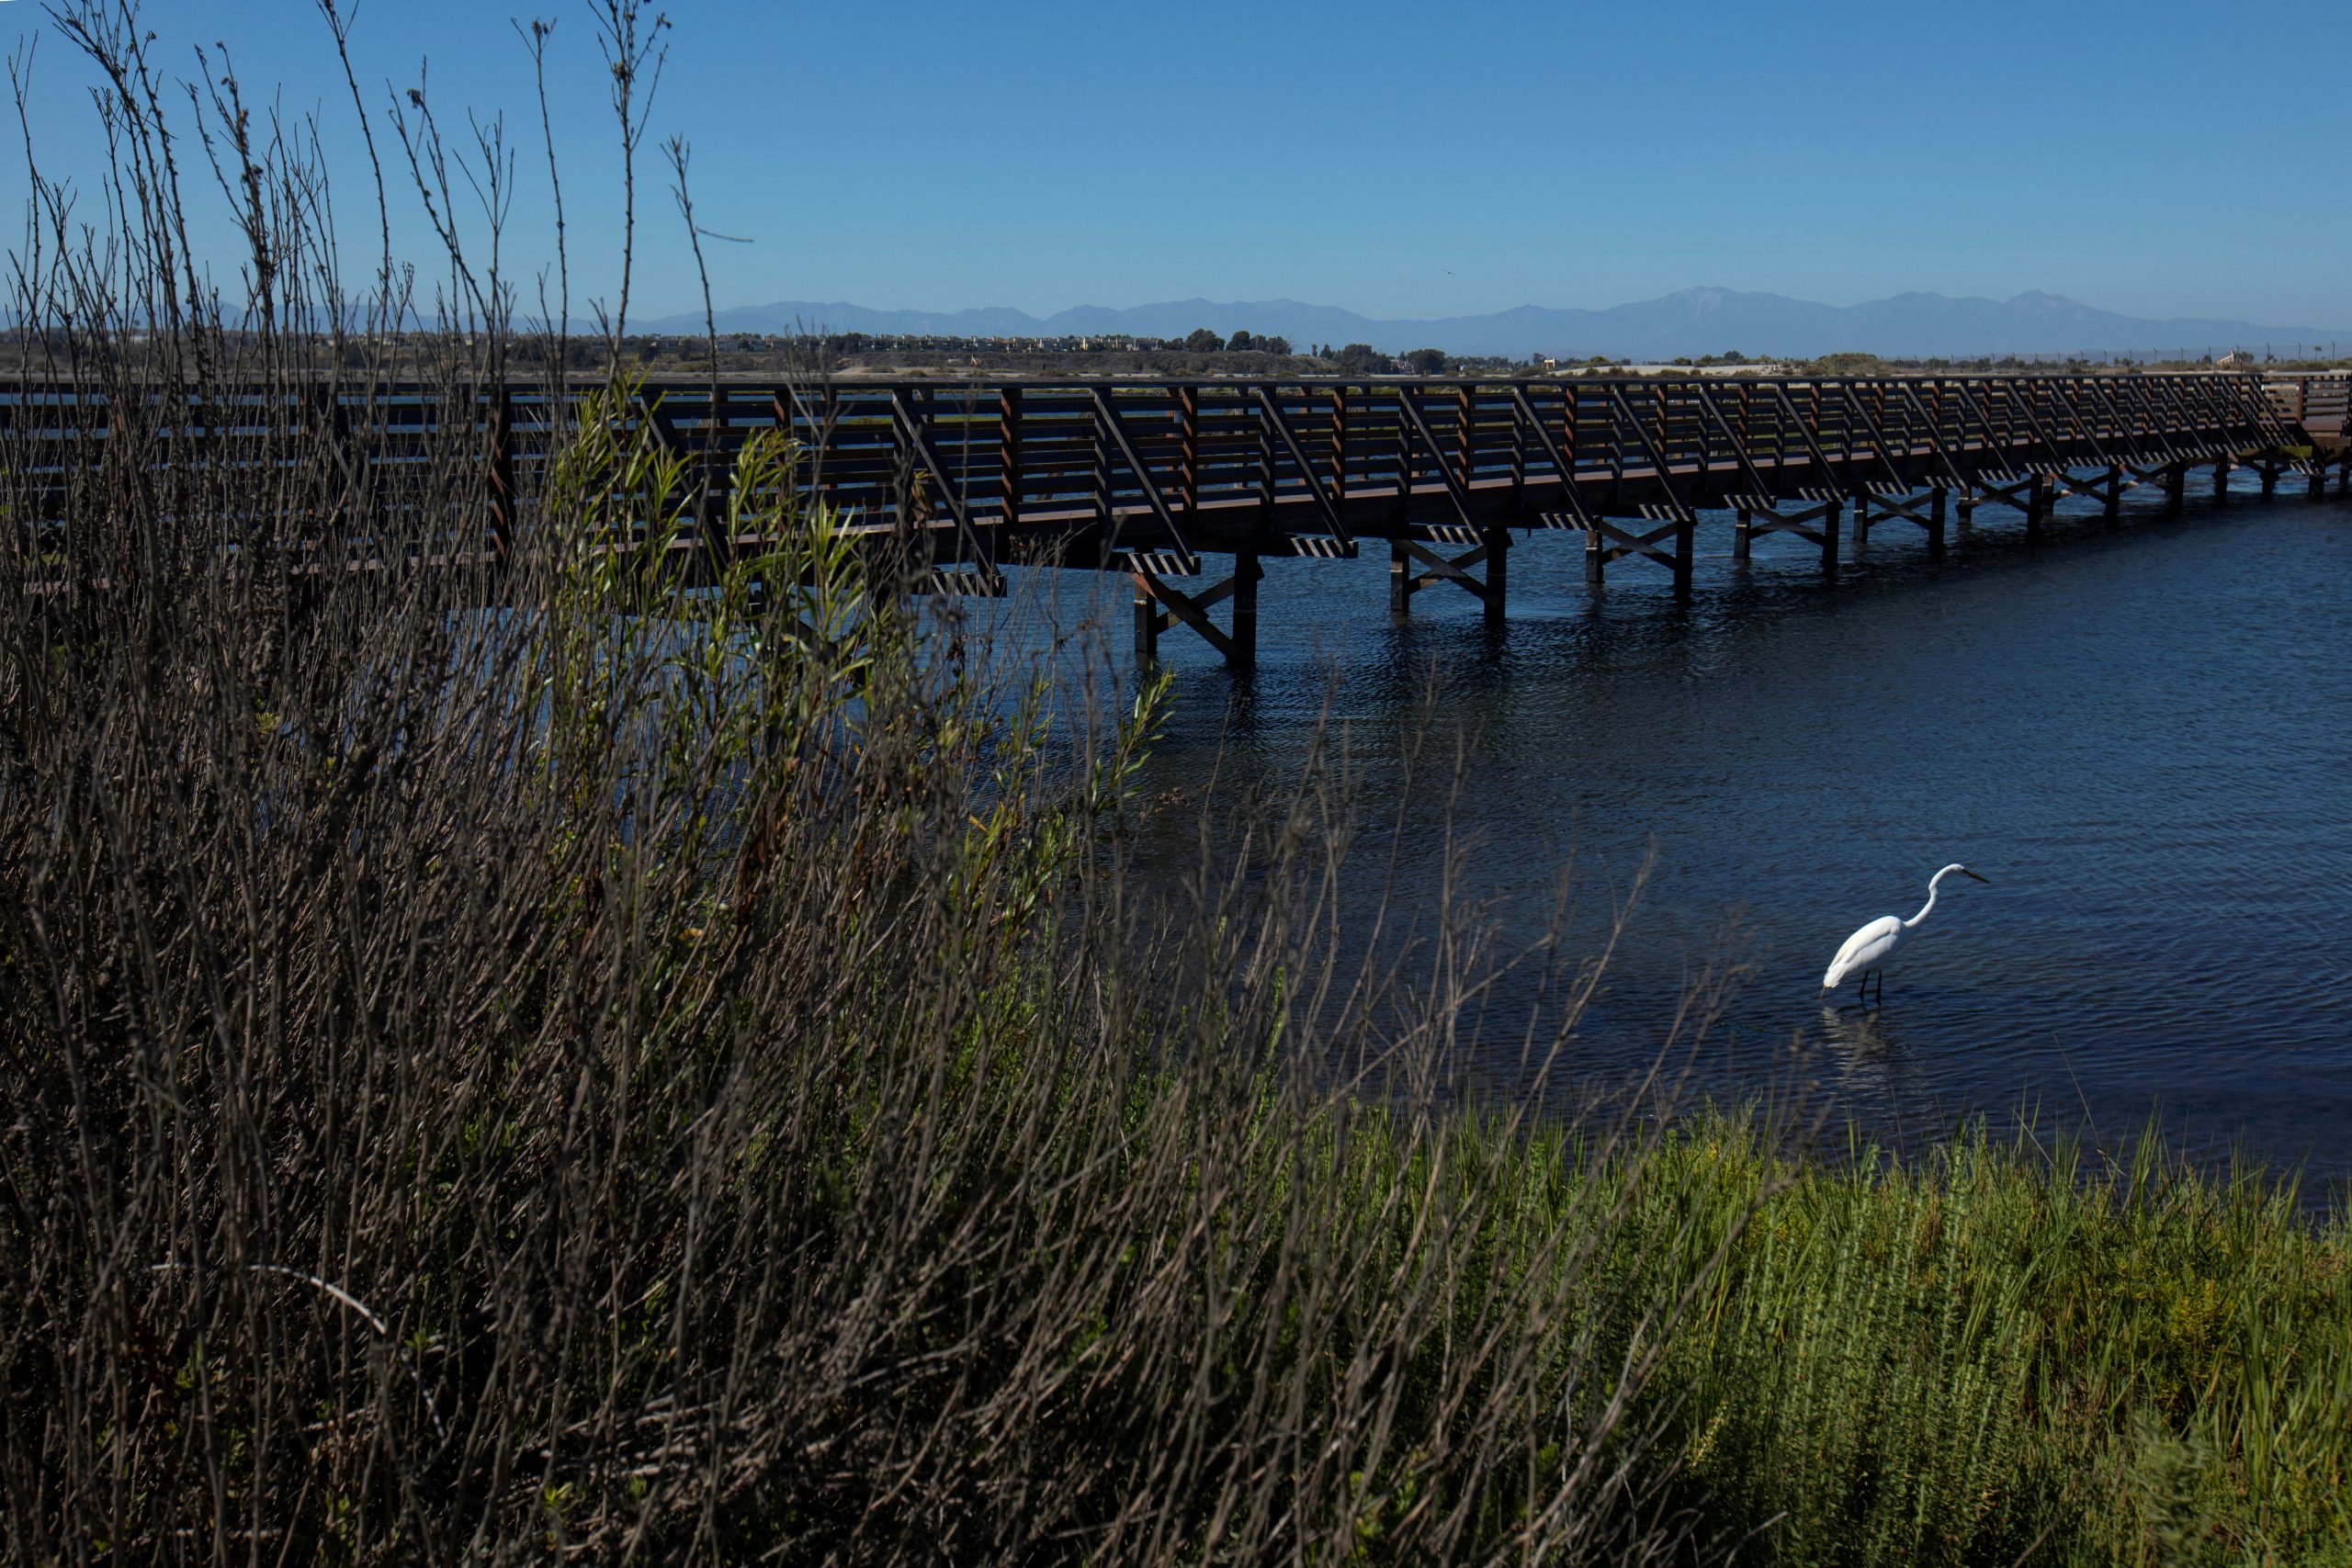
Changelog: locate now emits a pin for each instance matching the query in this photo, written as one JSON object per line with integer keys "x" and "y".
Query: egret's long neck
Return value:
{"x": 1933, "y": 883}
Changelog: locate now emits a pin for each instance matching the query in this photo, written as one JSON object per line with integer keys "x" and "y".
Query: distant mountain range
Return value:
{"x": 1694, "y": 322}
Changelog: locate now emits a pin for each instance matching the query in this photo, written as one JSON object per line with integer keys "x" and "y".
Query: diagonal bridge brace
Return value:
{"x": 1826, "y": 503}
{"x": 1161, "y": 605}
{"x": 1490, "y": 542}
{"x": 1605, "y": 541}
{"x": 1875, "y": 506}
{"x": 1180, "y": 552}
{"x": 1881, "y": 508}
{"x": 1489, "y": 547}
{"x": 1926, "y": 508}
{"x": 975, "y": 571}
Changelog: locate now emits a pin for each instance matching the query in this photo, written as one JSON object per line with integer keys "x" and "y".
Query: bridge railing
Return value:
{"x": 1162, "y": 458}
{"x": 2321, "y": 402}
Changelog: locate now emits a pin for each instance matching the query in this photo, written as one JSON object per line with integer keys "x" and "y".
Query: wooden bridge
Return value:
{"x": 1154, "y": 478}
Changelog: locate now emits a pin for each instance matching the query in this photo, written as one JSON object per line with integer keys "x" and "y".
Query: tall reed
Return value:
{"x": 528, "y": 1032}
{"x": 564, "y": 1009}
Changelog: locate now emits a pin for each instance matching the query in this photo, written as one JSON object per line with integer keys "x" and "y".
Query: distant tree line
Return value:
{"x": 1201, "y": 340}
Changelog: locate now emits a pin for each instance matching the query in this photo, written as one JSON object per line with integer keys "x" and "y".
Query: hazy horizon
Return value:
{"x": 1687, "y": 322}
{"x": 1049, "y": 156}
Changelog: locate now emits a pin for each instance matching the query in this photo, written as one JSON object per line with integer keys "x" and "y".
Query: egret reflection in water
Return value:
{"x": 2148, "y": 718}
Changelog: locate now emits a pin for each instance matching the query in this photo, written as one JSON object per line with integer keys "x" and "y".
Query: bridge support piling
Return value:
{"x": 2176, "y": 485}
{"x": 1830, "y": 524}
{"x": 1246, "y": 573}
{"x": 2220, "y": 478}
{"x": 1925, "y": 508}
{"x": 1415, "y": 563}
{"x": 2112, "y": 513}
{"x": 2037, "y": 509}
{"x": 2270, "y": 479}
{"x": 1498, "y": 574}
{"x": 1146, "y": 626}
{"x": 1160, "y": 604}
{"x": 1669, "y": 540}
{"x": 1741, "y": 540}
{"x": 1400, "y": 579}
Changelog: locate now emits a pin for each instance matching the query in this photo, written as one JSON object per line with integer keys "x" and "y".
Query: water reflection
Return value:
{"x": 2139, "y": 734}
{"x": 1875, "y": 1063}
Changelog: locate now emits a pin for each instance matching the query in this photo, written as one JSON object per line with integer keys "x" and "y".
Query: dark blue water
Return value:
{"x": 2142, "y": 736}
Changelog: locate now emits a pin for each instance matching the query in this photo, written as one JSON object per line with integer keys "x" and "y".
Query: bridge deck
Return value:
{"x": 1149, "y": 477}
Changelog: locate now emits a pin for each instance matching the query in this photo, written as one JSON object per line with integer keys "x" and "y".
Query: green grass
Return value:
{"x": 657, "y": 1053}
{"x": 1988, "y": 1352}
{"x": 771, "y": 1119}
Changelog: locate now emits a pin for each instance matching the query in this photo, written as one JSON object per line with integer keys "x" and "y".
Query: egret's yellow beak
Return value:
{"x": 1985, "y": 880}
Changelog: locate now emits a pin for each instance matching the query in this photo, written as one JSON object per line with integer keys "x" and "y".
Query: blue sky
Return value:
{"x": 1400, "y": 160}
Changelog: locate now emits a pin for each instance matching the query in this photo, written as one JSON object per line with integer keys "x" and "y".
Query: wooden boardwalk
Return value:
{"x": 1158, "y": 480}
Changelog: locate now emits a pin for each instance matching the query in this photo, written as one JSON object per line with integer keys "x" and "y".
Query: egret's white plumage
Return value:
{"x": 1870, "y": 949}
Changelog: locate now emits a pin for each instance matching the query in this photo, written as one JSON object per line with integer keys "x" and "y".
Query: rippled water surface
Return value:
{"x": 2140, "y": 735}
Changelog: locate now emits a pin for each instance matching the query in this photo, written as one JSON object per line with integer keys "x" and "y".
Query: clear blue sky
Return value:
{"x": 2160, "y": 159}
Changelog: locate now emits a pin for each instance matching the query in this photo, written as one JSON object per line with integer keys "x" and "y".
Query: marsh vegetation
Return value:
{"x": 584, "y": 1046}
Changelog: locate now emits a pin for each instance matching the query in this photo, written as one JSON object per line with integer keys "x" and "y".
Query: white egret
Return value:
{"x": 1869, "y": 951}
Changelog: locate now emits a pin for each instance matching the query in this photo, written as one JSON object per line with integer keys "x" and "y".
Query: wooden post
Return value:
{"x": 1938, "y": 497}
{"x": 2220, "y": 478}
{"x": 501, "y": 476}
{"x": 1741, "y": 544}
{"x": 2176, "y": 485}
{"x": 1685, "y": 552}
{"x": 1498, "y": 574}
{"x": 1400, "y": 579}
{"x": 1266, "y": 487}
{"x": 1464, "y": 431}
{"x": 2113, "y": 512}
{"x": 2037, "y": 508}
{"x": 1146, "y": 625}
{"x": 1188, "y": 439}
{"x": 1829, "y": 527}
{"x": 1596, "y": 556}
{"x": 1099, "y": 458}
{"x": 1339, "y": 445}
{"x": 2270, "y": 479}
{"x": 1245, "y": 572}
{"x": 1568, "y": 445}
{"x": 1517, "y": 471}
{"x": 1008, "y": 454}
{"x": 1404, "y": 458}
{"x": 713, "y": 536}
